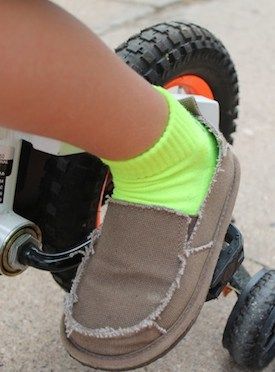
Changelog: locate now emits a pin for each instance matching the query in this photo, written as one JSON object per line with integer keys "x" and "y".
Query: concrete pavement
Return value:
{"x": 31, "y": 304}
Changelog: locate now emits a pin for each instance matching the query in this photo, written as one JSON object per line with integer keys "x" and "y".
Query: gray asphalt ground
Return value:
{"x": 31, "y": 304}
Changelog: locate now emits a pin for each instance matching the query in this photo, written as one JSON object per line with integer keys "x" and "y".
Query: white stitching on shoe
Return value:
{"x": 71, "y": 298}
{"x": 222, "y": 154}
{"x": 159, "y": 328}
{"x": 109, "y": 332}
{"x": 154, "y": 207}
{"x": 195, "y": 250}
{"x": 223, "y": 148}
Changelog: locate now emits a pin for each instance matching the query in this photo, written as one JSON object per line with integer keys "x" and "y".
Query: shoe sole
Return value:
{"x": 164, "y": 344}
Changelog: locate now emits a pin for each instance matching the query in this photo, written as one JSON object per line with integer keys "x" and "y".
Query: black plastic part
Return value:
{"x": 230, "y": 259}
{"x": 55, "y": 262}
{"x": 23, "y": 165}
{"x": 249, "y": 334}
{"x": 240, "y": 279}
{"x": 268, "y": 343}
{"x": 242, "y": 299}
{"x": 69, "y": 196}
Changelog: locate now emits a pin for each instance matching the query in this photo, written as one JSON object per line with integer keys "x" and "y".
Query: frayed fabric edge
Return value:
{"x": 71, "y": 298}
{"x": 149, "y": 322}
{"x": 109, "y": 332}
{"x": 154, "y": 207}
{"x": 191, "y": 105}
{"x": 222, "y": 153}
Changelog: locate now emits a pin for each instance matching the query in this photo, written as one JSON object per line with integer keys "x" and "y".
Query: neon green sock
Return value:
{"x": 175, "y": 172}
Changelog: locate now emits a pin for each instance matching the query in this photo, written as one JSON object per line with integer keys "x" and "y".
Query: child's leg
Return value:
{"x": 59, "y": 80}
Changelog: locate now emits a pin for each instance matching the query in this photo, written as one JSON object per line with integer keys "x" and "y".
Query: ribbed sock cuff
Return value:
{"x": 180, "y": 138}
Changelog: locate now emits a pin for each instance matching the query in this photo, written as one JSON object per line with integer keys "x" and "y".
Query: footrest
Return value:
{"x": 230, "y": 259}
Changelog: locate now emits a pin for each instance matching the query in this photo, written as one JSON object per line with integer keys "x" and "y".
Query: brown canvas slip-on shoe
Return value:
{"x": 145, "y": 277}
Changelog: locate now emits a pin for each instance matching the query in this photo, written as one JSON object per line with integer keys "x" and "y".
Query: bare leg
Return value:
{"x": 59, "y": 80}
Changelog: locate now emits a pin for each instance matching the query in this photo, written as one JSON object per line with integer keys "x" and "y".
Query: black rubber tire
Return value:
{"x": 69, "y": 194}
{"x": 168, "y": 50}
{"x": 158, "y": 53}
{"x": 246, "y": 332}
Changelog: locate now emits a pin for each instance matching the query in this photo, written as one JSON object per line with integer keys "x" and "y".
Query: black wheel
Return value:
{"x": 161, "y": 54}
{"x": 190, "y": 57}
{"x": 69, "y": 195}
{"x": 249, "y": 334}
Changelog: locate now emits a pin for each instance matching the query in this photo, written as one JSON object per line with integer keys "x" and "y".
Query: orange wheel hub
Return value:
{"x": 191, "y": 84}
